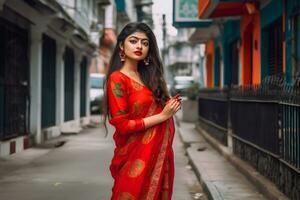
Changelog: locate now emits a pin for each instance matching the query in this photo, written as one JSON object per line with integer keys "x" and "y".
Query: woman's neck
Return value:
{"x": 130, "y": 65}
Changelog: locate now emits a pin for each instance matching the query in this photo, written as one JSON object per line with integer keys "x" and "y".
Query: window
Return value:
{"x": 234, "y": 63}
{"x": 275, "y": 54}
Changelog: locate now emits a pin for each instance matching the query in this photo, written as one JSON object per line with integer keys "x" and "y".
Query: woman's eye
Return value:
{"x": 132, "y": 41}
{"x": 146, "y": 44}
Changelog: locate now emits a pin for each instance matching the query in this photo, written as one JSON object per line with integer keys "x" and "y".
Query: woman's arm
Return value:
{"x": 119, "y": 108}
{"x": 169, "y": 110}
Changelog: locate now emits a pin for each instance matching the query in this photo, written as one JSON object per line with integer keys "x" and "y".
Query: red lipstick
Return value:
{"x": 138, "y": 53}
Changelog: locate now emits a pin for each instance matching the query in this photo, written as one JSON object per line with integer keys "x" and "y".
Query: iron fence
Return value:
{"x": 256, "y": 122}
{"x": 267, "y": 115}
{"x": 289, "y": 121}
{"x": 265, "y": 122}
{"x": 213, "y": 109}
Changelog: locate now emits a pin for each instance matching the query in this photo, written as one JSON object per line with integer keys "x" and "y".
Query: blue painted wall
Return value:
{"x": 292, "y": 8}
{"x": 121, "y": 5}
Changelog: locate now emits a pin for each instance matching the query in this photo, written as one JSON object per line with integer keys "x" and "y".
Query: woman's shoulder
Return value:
{"x": 117, "y": 76}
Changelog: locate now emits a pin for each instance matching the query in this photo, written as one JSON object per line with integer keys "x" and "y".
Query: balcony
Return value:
{"x": 143, "y": 2}
{"x": 103, "y": 2}
{"x": 224, "y": 8}
{"x": 202, "y": 35}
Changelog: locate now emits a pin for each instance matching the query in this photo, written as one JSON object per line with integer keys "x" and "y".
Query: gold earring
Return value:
{"x": 147, "y": 60}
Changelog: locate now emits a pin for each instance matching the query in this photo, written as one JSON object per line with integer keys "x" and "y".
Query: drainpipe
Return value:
{"x": 227, "y": 90}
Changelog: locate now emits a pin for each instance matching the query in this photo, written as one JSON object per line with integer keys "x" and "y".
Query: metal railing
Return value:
{"x": 268, "y": 115}
{"x": 213, "y": 110}
{"x": 264, "y": 121}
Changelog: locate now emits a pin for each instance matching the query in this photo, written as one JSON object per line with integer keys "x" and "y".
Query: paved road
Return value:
{"x": 77, "y": 171}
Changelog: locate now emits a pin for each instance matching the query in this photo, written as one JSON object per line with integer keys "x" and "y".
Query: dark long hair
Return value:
{"x": 152, "y": 75}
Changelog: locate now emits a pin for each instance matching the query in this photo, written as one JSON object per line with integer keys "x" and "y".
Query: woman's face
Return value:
{"x": 136, "y": 46}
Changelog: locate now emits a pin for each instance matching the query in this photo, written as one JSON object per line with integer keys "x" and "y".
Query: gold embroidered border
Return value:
{"x": 158, "y": 166}
{"x": 152, "y": 109}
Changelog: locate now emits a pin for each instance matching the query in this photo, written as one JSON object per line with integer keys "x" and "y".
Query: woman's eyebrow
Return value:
{"x": 139, "y": 38}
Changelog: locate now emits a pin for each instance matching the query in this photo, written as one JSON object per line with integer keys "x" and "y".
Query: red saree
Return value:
{"x": 143, "y": 162}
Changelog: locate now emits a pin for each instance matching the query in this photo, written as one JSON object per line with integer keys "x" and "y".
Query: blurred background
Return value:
{"x": 236, "y": 64}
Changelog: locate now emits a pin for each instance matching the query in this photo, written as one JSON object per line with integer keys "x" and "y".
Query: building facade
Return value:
{"x": 46, "y": 49}
{"x": 251, "y": 98}
{"x": 181, "y": 57}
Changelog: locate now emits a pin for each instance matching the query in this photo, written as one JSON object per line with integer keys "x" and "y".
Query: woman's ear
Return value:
{"x": 121, "y": 46}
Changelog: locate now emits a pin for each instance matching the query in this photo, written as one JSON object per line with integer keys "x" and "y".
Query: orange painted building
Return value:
{"x": 250, "y": 49}
{"x": 247, "y": 67}
{"x": 209, "y": 55}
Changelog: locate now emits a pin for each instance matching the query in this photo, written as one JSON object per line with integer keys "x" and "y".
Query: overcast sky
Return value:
{"x": 159, "y": 8}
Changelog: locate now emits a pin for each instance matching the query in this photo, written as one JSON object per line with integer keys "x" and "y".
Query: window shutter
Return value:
{"x": 275, "y": 54}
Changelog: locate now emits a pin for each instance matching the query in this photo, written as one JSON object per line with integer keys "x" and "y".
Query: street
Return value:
{"x": 78, "y": 170}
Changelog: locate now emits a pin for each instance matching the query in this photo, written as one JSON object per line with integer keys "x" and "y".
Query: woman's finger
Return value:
{"x": 178, "y": 107}
{"x": 173, "y": 102}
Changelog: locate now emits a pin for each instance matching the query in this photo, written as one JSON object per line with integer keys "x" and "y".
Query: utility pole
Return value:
{"x": 164, "y": 51}
{"x": 164, "y": 31}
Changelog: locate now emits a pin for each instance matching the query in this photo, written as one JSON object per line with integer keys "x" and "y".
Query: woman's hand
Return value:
{"x": 172, "y": 106}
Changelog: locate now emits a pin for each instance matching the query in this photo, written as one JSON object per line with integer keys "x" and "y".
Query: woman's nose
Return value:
{"x": 139, "y": 45}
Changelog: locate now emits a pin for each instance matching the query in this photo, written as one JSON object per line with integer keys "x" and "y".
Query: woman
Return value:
{"x": 140, "y": 109}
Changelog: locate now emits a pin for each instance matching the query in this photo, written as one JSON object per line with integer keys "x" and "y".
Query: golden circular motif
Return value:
{"x": 137, "y": 108}
{"x": 136, "y": 168}
{"x": 125, "y": 196}
{"x": 123, "y": 150}
{"x": 149, "y": 135}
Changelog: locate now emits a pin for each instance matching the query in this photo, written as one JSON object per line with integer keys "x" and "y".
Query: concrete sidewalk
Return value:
{"x": 79, "y": 169}
{"x": 217, "y": 175}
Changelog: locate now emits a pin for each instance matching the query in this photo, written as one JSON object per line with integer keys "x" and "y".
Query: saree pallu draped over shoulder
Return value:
{"x": 143, "y": 161}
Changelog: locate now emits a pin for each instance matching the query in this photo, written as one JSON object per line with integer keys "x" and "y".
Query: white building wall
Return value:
{"x": 36, "y": 82}
{"x": 183, "y": 53}
{"x": 83, "y": 12}
{"x": 131, "y": 11}
{"x": 83, "y": 15}
{"x": 60, "y": 82}
{"x": 110, "y": 16}
{"x": 78, "y": 59}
